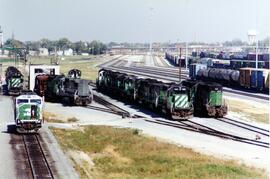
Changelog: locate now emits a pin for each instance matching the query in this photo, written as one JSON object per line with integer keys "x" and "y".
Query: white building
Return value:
{"x": 33, "y": 53}
{"x": 85, "y": 54}
{"x": 59, "y": 53}
{"x": 68, "y": 52}
{"x": 43, "y": 52}
{"x": 1, "y": 37}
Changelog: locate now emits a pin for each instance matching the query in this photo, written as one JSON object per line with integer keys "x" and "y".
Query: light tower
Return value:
{"x": 1, "y": 38}
{"x": 251, "y": 36}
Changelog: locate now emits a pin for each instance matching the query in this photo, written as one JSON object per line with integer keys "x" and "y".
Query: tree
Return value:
{"x": 32, "y": 45}
{"x": 97, "y": 47}
{"x": 80, "y": 47}
{"x": 14, "y": 43}
{"x": 63, "y": 43}
{"x": 111, "y": 44}
{"x": 44, "y": 43}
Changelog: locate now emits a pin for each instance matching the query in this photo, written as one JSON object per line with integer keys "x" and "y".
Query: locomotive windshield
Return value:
{"x": 19, "y": 101}
{"x": 38, "y": 101}
{"x": 179, "y": 90}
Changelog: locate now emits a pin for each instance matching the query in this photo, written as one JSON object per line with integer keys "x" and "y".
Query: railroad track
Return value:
{"x": 209, "y": 131}
{"x": 111, "y": 61}
{"x": 243, "y": 125}
{"x": 39, "y": 165}
{"x": 196, "y": 127}
{"x": 111, "y": 108}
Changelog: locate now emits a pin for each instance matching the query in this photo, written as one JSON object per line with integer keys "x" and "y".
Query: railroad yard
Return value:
{"x": 134, "y": 89}
{"x": 242, "y": 136}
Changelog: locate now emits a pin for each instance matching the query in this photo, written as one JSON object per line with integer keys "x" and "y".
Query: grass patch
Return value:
{"x": 124, "y": 153}
{"x": 84, "y": 63}
{"x": 89, "y": 71}
{"x": 259, "y": 113}
{"x": 50, "y": 117}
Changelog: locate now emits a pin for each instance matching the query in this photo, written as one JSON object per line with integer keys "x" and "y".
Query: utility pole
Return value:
{"x": 186, "y": 60}
{"x": 180, "y": 65}
{"x": 256, "y": 53}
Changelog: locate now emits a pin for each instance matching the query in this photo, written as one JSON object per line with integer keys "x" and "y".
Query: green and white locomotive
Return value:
{"x": 28, "y": 112}
{"x": 14, "y": 81}
{"x": 172, "y": 99}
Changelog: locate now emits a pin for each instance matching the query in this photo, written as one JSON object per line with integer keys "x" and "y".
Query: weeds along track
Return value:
{"x": 37, "y": 159}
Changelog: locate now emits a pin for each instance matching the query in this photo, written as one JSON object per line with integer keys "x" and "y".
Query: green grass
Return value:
{"x": 63, "y": 59}
{"x": 6, "y": 60}
{"x": 124, "y": 153}
{"x": 249, "y": 110}
{"x": 84, "y": 63}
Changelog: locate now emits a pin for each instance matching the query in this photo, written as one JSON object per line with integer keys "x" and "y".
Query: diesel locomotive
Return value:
{"x": 172, "y": 99}
{"x": 71, "y": 89}
{"x": 14, "y": 81}
{"x": 28, "y": 112}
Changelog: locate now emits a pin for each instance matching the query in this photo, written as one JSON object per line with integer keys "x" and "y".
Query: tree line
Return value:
{"x": 95, "y": 47}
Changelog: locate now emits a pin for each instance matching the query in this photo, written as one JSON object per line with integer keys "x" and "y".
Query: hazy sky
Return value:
{"x": 135, "y": 20}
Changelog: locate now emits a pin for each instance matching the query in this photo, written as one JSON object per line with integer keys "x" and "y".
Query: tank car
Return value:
{"x": 14, "y": 81}
{"x": 28, "y": 112}
{"x": 227, "y": 77}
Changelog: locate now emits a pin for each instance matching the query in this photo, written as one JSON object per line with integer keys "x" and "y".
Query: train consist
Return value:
{"x": 14, "y": 81}
{"x": 257, "y": 79}
{"x": 222, "y": 60}
{"x": 178, "y": 101}
{"x": 70, "y": 89}
{"x": 28, "y": 112}
{"x": 174, "y": 59}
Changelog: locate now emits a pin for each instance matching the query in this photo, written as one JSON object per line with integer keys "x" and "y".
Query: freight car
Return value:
{"x": 225, "y": 76}
{"x": 172, "y": 99}
{"x": 14, "y": 81}
{"x": 254, "y": 78}
{"x": 251, "y": 78}
{"x": 60, "y": 88}
{"x": 174, "y": 59}
{"x": 28, "y": 112}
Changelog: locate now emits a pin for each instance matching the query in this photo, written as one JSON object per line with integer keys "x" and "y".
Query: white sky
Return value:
{"x": 134, "y": 21}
